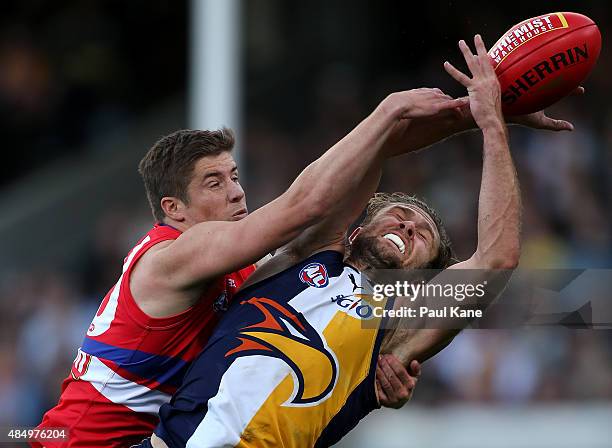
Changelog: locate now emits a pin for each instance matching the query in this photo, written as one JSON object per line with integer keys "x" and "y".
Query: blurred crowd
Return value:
{"x": 71, "y": 72}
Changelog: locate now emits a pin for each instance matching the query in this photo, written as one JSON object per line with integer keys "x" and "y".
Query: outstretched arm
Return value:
{"x": 498, "y": 210}
{"x": 420, "y": 133}
{"x": 209, "y": 249}
{"x": 329, "y": 233}
{"x": 406, "y": 136}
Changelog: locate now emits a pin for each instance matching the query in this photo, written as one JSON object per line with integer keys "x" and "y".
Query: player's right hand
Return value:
{"x": 423, "y": 102}
{"x": 483, "y": 87}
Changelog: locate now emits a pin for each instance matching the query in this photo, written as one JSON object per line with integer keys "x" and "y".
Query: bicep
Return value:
{"x": 330, "y": 232}
{"x": 210, "y": 249}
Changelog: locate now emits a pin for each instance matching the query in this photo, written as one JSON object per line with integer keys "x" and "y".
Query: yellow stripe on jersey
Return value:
{"x": 276, "y": 424}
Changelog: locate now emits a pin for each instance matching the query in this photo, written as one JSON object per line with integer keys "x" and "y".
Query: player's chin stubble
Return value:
{"x": 369, "y": 251}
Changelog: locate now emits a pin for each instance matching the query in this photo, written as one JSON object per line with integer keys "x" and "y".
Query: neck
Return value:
{"x": 356, "y": 263}
{"x": 178, "y": 225}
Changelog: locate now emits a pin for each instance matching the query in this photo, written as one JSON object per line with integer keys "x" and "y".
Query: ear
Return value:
{"x": 173, "y": 208}
{"x": 354, "y": 234}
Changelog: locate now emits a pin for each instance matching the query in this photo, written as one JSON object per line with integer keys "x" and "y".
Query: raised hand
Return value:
{"x": 423, "y": 102}
{"x": 539, "y": 120}
{"x": 483, "y": 87}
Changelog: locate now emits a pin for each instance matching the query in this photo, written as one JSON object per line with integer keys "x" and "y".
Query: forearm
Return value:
{"x": 498, "y": 219}
{"x": 498, "y": 248}
{"x": 413, "y": 135}
{"x": 416, "y": 344}
{"x": 499, "y": 204}
{"x": 347, "y": 163}
{"x": 424, "y": 333}
{"x": 329, "y": 179}
{"x": 342, "y": 181}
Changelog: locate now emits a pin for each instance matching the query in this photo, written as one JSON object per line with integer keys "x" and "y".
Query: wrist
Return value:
{"x": 493, "y": 126}
{"x": 394, "y": 106}
{"x": 495, "y": 133}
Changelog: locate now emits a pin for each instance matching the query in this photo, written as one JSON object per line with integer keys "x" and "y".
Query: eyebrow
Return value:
{"x": 212, "y": 174}
{"x": 217, "y": 173}
{"x": 429, "y": 230}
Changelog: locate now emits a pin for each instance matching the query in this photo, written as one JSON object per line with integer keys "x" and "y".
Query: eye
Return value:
{"x": 424, "y": 235}
{"x": 214, "y": 184}
{"x": 235, "y": 178}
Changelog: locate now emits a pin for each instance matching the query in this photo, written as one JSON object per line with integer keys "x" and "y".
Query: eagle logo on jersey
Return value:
{"x": 284, "y": 333}
{"x": 315, "y": 275}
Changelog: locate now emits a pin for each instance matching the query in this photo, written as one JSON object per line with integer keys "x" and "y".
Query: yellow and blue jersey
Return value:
{"x": 290, "y": 364}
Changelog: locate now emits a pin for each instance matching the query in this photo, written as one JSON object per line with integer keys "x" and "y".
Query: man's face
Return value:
{"x": 214, "y": 193}
{"x": 399, "y": 236}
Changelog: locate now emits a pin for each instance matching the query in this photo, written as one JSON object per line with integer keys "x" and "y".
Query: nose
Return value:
{"x": 235, "y": 193}
{"x": 408, "y": 227}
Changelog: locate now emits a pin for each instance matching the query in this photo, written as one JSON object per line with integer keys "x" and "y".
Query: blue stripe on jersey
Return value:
{"x": 180, "y": 418}
{"x": 166, "y": 370}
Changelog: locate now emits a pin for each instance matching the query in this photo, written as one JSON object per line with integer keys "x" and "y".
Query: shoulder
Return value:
{"x": 145, "y": 267}
{"x": 147, "y": 260}
{"x": 149, "y": 286}
{"x": 284, "y": 261}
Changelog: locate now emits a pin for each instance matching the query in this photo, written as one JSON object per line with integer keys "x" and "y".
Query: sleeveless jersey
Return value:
{"x": 129, "y": 363}
{"x": 291, "y": 364}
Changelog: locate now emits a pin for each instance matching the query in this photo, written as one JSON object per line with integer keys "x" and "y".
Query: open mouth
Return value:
{"x": 399, "y": 243}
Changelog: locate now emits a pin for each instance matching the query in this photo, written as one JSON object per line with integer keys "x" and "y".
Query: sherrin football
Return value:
{"x": 543, "y": 59}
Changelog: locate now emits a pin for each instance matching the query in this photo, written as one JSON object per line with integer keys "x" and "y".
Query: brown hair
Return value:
{"x": 379, "y": 201}
{"x": 167, "y": 167}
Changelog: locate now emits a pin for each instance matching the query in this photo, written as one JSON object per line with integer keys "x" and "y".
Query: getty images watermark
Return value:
{"x": 410, "y": 292}
{"x": 574, "y": 298}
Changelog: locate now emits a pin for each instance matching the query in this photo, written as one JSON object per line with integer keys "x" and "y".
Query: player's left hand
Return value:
{"x": 394, "y": 384}
{"x": 536, "y": 120}
{"x": 539, "y": 120}
{"x": 460, "y": 119}
{"x": 483, "y": 87}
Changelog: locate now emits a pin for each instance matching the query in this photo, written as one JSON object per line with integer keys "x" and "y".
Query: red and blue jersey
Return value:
{"x": 130, "y": 363}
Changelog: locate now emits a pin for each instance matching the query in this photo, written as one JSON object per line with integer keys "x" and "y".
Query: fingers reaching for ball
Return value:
{"x": 578, "y": 91}
{"x": 423, "y": 102}
{"x": 456, "y": 74}
{"x": 479, "y": 64}
{"x": 539, "y": 120}
{"x": 483, "y": 87}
